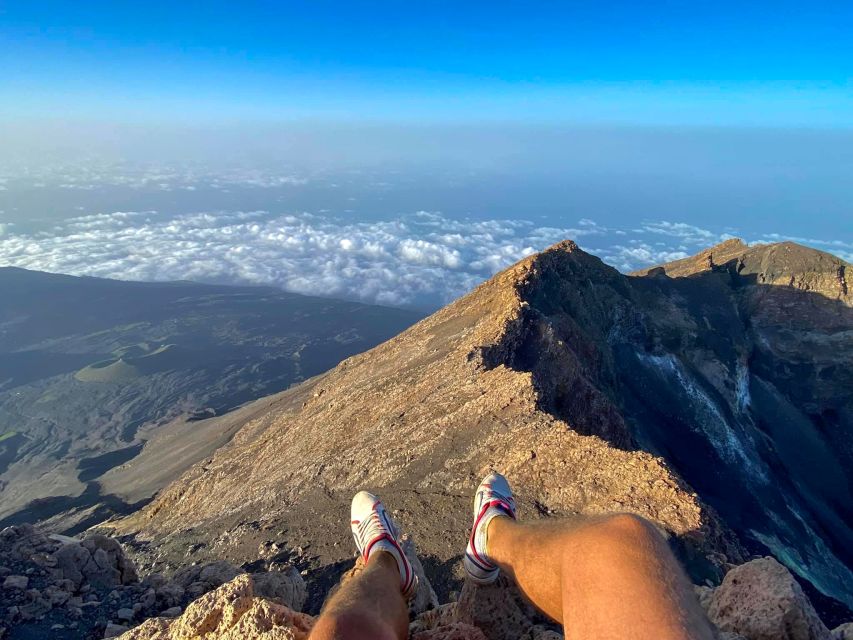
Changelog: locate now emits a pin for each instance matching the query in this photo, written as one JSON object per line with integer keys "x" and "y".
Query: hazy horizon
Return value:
{"x": 403, "y": 154}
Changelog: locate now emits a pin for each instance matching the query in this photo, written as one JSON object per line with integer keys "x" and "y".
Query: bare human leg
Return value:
{"x": 370, "y": 606}
{"x": 603, "y": 577}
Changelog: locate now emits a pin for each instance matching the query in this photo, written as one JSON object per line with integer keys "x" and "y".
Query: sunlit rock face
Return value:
{"x": 711, "y": 395}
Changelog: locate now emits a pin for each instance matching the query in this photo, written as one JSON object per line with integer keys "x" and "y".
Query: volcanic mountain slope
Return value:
{"x": 93, "y": 369}
{"x": 593, "y": 391}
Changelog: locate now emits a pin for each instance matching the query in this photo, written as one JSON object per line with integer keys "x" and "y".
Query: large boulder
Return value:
{"x": 760, "y": 600}
{"x": 99, "y": 561}
{"x": 285, "y": 586}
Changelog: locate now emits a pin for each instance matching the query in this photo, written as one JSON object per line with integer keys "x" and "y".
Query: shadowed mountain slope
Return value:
{"x": 93, "y": 369}
{"x": 716, "y": 403}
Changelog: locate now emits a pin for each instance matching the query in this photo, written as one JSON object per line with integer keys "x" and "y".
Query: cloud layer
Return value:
{"x": 423, "y": 259}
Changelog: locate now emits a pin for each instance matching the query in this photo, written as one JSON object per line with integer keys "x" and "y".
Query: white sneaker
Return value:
{"x": 373, "y": 529}
{"x": 493, "y": 498}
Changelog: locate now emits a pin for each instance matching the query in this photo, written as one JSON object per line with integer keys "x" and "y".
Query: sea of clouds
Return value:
{"x": 424, "y": 259}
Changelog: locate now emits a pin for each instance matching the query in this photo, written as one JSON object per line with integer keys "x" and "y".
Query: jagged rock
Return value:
{"x": 56, "y": 596}
{"x": 230, "y": 612}
{"x": 125, "y": 614}
{"x": 761, "y": 601}
{"x": 212, "y": 574}
{"x": 541, "y": 633}
{"x": 171, "y": 612}
{"x": 108, "y": 556}
{"x": 704, "y": 595}
{"x": 114, "y": 630}
{"x": 170, "y": 594}
{"x": 70, "y": 561}
{"x": 843, "y": 632}
{"x": 148, "y": 600}
{"x": 155, "y": 580}
{"x": 425, "y": 597}
{"x": 442, "y": 615}
{"x": 482, "y": 612}
{"x": 23, "y": 541}
{"x": 497, "y": 609}
{"x": 97, "y": 560}
{"x": 16, "y": 582}
{"x": 287, "y": 587}
{"x": 452, "y": 631}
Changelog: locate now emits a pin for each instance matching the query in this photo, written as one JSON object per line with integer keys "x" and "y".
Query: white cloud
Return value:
{"x": 687, "y": 232}
{"x": 424, "y": 258}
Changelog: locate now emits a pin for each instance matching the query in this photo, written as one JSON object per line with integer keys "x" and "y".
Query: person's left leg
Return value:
{"x": 372, "y": 604}
{"x": 369, "y": 606}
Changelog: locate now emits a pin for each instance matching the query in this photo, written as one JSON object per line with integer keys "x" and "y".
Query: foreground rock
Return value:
{"x": 231, "y": 612}
{"x": 65, "y": 588}
{"x": 760, "y": 600}
{"x": 60, "y": 587}
{"x": 235, "y": 611}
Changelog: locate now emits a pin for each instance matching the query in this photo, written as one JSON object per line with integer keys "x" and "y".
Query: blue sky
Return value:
{"x": 688, "y": 63}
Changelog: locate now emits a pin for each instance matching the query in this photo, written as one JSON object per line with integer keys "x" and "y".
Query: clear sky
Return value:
{"x": 696, "y": 63}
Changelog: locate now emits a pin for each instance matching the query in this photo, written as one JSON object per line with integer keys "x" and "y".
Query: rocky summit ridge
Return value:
{"x": 712, "y": 395}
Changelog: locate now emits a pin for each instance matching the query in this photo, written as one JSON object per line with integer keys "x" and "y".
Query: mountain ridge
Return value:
{"x": 545, "y": 371}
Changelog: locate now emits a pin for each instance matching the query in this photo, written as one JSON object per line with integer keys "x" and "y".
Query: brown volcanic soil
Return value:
{"x": 538, "y": 373}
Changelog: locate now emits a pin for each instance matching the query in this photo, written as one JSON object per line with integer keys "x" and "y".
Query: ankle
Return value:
{"x": 384, "y": 558}
{"x": 496, "y": 530}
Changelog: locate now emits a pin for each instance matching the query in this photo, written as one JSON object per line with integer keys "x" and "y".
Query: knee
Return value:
{"x": 627, "y": 528}
{"x": 350, "y": 625}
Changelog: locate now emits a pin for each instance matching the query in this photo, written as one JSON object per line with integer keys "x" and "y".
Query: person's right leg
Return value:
{"x": 604, "y": 577}
{"x": 368, "y": 607}
{"x": 372, "y": 604}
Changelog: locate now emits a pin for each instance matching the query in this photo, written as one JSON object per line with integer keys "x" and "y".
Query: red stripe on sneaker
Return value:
{"x": 506, "y": 508}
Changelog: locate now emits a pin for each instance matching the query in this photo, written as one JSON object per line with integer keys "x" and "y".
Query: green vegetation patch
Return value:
{"x": 7, "y": 435}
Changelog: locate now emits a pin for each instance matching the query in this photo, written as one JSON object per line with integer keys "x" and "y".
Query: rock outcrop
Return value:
{"x": 760, "y": 600}
{"x": 61, "y": 587}
{"x": 231, "y": 612}
{"x": 236, "y": 611}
